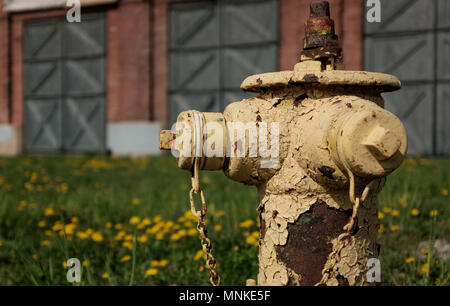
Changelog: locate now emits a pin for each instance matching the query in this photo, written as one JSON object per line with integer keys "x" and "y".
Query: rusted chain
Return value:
{"x": 202, "y": 228}
{"x": 345, "y": 238}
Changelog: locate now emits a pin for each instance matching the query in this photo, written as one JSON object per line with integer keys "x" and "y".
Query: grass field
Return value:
{"x": 127, "y": 221}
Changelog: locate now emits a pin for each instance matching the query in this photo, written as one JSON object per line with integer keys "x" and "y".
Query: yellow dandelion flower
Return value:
{"x": 247, "y": 223}
{"x": 42, "y": 223}
{"x": 143, "y": 238}
{"x": 395, "y": 228}
{"x": 74, "y": 219}
{"x": 415, "y": 212}
{"x": 64, "y": 264}
{"x": 425, "y": 251}
{"x": 154, "y": 263}
{"x": 57, "y": 226}
{"x": 387, "y": 210}
{"x": 85, "y": 263}
{"x": 136, "y": 201}
{"x": 199, "y": 255}
{"x": 182, "y": 233}
{"x": 192, "y": 232}
{"x": 48, "y": 232}
{"x": 45, "y": 242}
{"x": 409, "y": 259}
{"x": 97, "y": 237}
{"x": 380, "y": 215}
{"x": 157, "y": 219}
{"x": 118, "y": 226}
{"x": 395, "y": 212}
{"x": 251, "y": 240}
{"x": 181, "y": 219}
{"x": 188, "y": 224}
{"x": 128, "y": 237}
{"x": 218, "y": 227}
{"x": 444, "y": 192}
{"x": 163, "y": 263}
{"x": 146, "y": 221}
{"x": 82, "y": 235}
{"x": 175, "y": 237}
{"x": 127, "y": 245}
{"x": 220, "y": 213}
{"x": 135, "y": 220}
{"x": 108, "y": 224}
{"x": 159, "y": 236}
{"x": 424, "y": 268}
{"x": 433, "y": 213}
{"x": 382, "y": 229}
{"x": 49, "y": 212}
{"x": 119, "y": 235}
{"x": 125, "y": 258}
{"x": 151, "y": 272}
{"x": 105, "y": 275}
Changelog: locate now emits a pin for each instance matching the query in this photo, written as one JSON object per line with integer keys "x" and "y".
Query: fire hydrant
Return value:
{"x": 325, "y": 145}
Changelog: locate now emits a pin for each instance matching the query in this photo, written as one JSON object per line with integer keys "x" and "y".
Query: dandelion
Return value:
{"x": 135, "y": 220}
{"x": 409, "y": 259}
{"x": 64, "y": 264}
{"x": 252, "y": 240}
{"x": 163, "y": 263}
{"x": 444, "y": 192}
{"x": 128, "y": 237}
{"x": 136, "y": 201}
{"x": 125, "y": 258}
{"x": 424, "y": 268}
{"x": 425, "y": 251}
{"x": 85, "y": 263}
{"x": 220, "y": 213}
{"x": 199, "y": 255}
{"x": 192, "y": 232}
{"x": 45, "y": 242}
{"x": 157, "y": 219}
{"x": 395, "y": 212}
{"x": 175, "y": 237}
{"x": 108, "y": 225}
{"x": 82, "y": 235}
{"x": 415, "y": 212}
{"x": 74, "y": 219}
{"x": 42, "y": 223}
{"x": 433, "y": 213}
{"x": 57, "y": 226}
{"x": 154, "y": 263}
{"x": 143, "y": 239}
{"x": 151, "y": 272}
{"x": 395, "y": 228}
{"x": 49, "y": 212}
{"x": 218, "y": 227}
{"x": 159, "y": 236}
{"x": 105, "y": 275}
{"x": 127, "y": 245}
{"x": 380, "y": 215}
{"x": 387, "y": 210}
{"x": 247, "y": 223}
{"x": 118, "y": 226}
{"x": 146, "y": 222}
{"x": 48, "y": 232}
{"x": 181, "y": 219}
{"x": 97, "y": 237}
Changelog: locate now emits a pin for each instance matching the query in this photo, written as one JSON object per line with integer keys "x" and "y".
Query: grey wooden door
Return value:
{"x": 214, "y": 46}
{"x": 413, "y": 42}
{"x": 64, "y": 84}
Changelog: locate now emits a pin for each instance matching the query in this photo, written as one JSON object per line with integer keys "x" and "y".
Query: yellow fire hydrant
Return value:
{"x": 318, "y": 144}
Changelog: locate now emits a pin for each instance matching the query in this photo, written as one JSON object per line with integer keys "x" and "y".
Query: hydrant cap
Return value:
{"x": 310, "y": 73}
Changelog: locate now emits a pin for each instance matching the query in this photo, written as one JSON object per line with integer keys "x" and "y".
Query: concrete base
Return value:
{"x": 133, "y": 138}
{"x": 10, "y": 139}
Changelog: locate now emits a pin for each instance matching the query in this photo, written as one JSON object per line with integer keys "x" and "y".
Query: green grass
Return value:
{"x": 105, "y": 193}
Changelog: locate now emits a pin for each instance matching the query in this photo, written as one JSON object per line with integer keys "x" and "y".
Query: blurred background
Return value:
{"x": 110, "y": 83}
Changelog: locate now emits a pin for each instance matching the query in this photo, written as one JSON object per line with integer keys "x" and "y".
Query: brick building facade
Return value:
{"x": 134, "y": 86}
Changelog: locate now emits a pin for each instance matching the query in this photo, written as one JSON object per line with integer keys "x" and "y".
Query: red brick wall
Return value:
{"x": 4, "y": 66}
{"x": 128, "y": 64}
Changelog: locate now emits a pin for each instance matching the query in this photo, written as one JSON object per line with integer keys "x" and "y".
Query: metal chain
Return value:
{"x": 345, "y": 238}
{"x": 202, "y": 228}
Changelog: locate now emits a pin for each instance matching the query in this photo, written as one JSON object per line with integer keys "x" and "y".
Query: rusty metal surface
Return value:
{"x": 321, "y": 42}
{"x": 309, "y": 241}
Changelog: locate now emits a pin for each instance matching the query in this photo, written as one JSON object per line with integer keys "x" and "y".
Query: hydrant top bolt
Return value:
{"x": 320, "y": 9}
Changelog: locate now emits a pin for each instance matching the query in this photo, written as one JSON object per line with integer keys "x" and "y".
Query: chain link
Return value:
{"x": 202, "y": 228}
{"x": 345, "y": 238}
